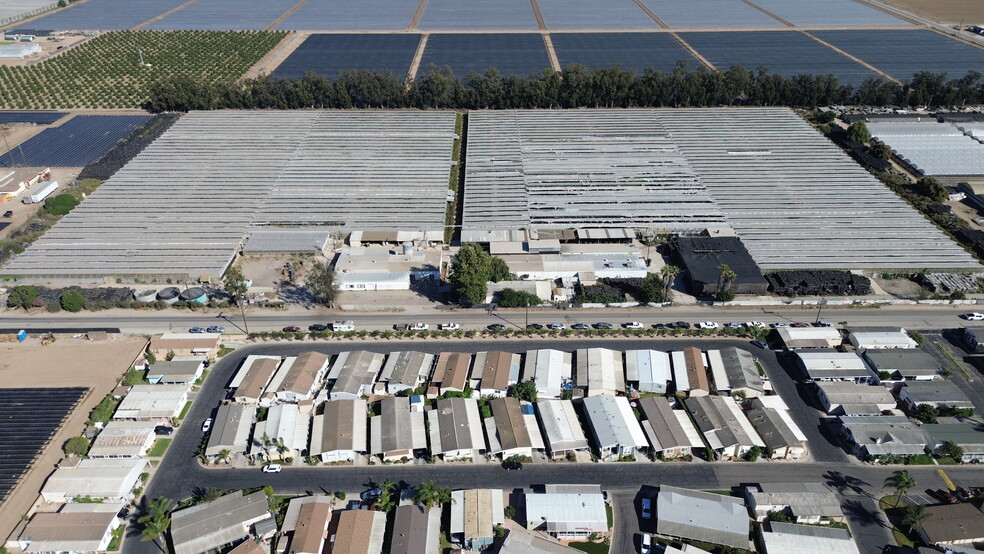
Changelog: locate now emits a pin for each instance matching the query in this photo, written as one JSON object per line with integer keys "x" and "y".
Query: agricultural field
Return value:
{"x": 105, "y": 72}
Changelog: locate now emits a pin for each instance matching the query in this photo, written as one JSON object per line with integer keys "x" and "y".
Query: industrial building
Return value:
{"x": 474, "y": 515}
{"x": 702, "y": 516}
{"x": 701, "y": 258}
{"x": 615, "y": 429}
{"x": 670, "y": 432}
{"x": 874, "y": 338}
{"x": 849, "y": 398}
{"x": 109, "y": 480}
{"x": 455, "y": 429}
{"x": 219, "y": 523}
{"x": 584, "y": 263}
{"x": 877, "y": 436}
{"x": 648, "y": 370}
{"x": 599, "y": 371}
{"x": 378, "y": 268}
{"x": 562, "y": 430}
{"x": 123, "y": 439}
{"x": 725, "y": 427}
{"x": 567, "y": 511}
{"x": 339, "y": 434}
{"x": 354, "y": 373}
{"x": 396, "y": 431}
{"x": 810, "y": 503}
{"x": 550, "y": 369}
{"x": 903, "y": 364}
{"x": 930, "y": 147}
{"x": 819, "y": 366}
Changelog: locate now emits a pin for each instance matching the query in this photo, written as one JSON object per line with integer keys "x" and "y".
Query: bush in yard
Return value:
{"x": 22, "y": 296}
{"x": 72, "y": 301}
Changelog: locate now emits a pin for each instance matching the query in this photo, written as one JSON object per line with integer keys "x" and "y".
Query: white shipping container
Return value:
{"x": 42, "y": 193}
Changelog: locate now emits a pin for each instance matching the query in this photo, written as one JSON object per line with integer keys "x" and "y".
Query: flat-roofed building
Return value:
{"x": 904, "y": 364}
{"x": 615, "y": 429}
{"x": 205, "y": 345}
{"x": 567, "y": 511}
{"x": 723, "y": 424}
{"x": 561, "y": 428}
{"x": 106, "y": 479}
{"x": 790, "y": 538}
{"x": 416, "y": 530}
{"x": 283, "y": 434}
{"x": 354, "y": 373}
{"x": 404, "y": 370}
{"x": 835, "y": 366}
{"x": 303, "y": 377}
{"x": 550, "y": 369}
{"x": 811, "y": 503}
{"x": 307, "y": 523}
{"x": 230, "y": 431}
{"x": 219, "y": 523}
{"x": 506, "y": 431}
{"x": 781, "y": 442}
{"x": 701, "y": 516}
{"x": 876, "y": 436}
{"x": 849, "y": 398}
{"x": 152, "y": 402}
{"x": 356, "y": 532}
{"x": 75, "y": 528}
{"x": 973, "y": 337}
{"x": 952, "y": 525}
{"x": 494, "y": 372}
{"x": 599, "y": 371}
{"x": 741, "y": 371}
{"x": 123, "y": 439}
{"x": 938, "y": 394}
{"x": 339, "y": 434}
{"x": 176, "y": 371}
{"x": 396, "y": 432}
{"x": 455, "y": 427}
{"x": 968, "y": 435}
{"x": 474, "y": 515}
{"x": 253, "y": 382}
{"x": 797, "y": 338}
{"x": 451, "y": 372}
{"x": 648, "y": 370}
{"x": 873, "y": 338}
{"x": 681, "y": 381}
{"x": 368, "y": 268}
{"x": 670, "y": 432}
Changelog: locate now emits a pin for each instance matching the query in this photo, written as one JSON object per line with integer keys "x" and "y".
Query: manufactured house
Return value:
{"x": 416, "y": 530}
{"x": 903, "y": 364}
{"x": 339, "y": 434}
{"x": 302, "y": 377}
{"x": 701, "y": 516}
{"x": 849, "y": 398}
{"x": 873, "y": 437}
{"x": 152, "y": 402}
{"x": 404, "y": 371}
{"x": 811, "y": 503}
{"x": 474, "y": 515}
{"x": 283, "y": 434}
{"x": 952, "y": 525}
{"x": 353, "y": 374}
{"x": 800, "y": 338}
{"x": 834, "y": 366}
{"x": 968, "y": 435}
{"x": 356, "y": 532}
{"x": 230, "y": 431}
{"x": 741, "y": 372}
{"x": 696, "y": 372}
{"x": 123, "y": 439}
{"x": 106, "y": 479}
{"x": 494, "y": 372}
{"x": 455, "y": 428}
{"x": 726, "y": 429}
{"x": 220, "y": 523}
{"x": 877, "y": 338}
{"x": 938, "y": 394}
{"x": 306, "y": 524}
{"x": 74, "y": 528}
{"x": 681, "y": 380}
{"x": 561, "y": 427}
{"x": 507, "y": 431}
{"x": 397, "y": 431}
{"x": 670, "y": 432}
{"x": 648, "y": 370}
{"x": 180, "y": 370}
{"x": 567, "y": 511}
{"x": 781, "y": 441}
{"x": 451, "y": 372}
{"x": 785, "y": 538}
{"x": 599, "y": 371}
{"x": 550, "y": 369}
{"x": 252, "y": 379}
{"x": 202, "y": 345}
{"x": 615, "y": 429}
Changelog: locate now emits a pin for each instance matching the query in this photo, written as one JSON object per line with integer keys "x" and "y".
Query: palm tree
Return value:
{"x": 901, "y": 481}
{"x": 727, "y": 278}
{"x": 156, "y": 521}
{"x": 431, "y": 494}
{"x": 385, "y": 501}
{"x": 224, "y": 454}
{"x": 914, "y": 516}
{"x": 669, "y": 273}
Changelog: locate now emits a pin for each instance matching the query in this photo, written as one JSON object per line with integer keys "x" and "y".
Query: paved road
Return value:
{"x": 911, "y": 317}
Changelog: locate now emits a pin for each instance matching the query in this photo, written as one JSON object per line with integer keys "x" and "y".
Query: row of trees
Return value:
{"x": 575, "y": 87}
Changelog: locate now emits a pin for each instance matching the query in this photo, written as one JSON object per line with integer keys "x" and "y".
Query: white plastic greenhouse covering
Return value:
{"x": 933, "y": 148}
{"x": 185, "y": 204}
{"x": 19, "y": 51}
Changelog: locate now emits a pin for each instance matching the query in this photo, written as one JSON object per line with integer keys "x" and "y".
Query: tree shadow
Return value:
{"x": 430, "y": 290}
{"x": 844, "y": 483}
{"x": 856, "y": 511}
{"x": 294, "y": 294}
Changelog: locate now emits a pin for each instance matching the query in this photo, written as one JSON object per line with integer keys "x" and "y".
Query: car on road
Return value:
{"x": 535, "y": 326}
{"x": 318, "y": 328}
{"x": 823, "y": 324}
{"x": 196, "y": 330}
{"x": 557, "y": 326}
{"x": 215, "y": 329}
{"x": 206, "y": 425}
{"x": 291, "y": 329}
{"x": 755, "y": 325}
{"x": 681, "y": 325}
{"x": 496, "y": 327}
{"x": 449, "y": 326}
{"x": 603, "y": 325}
{"x": 647, "y": 508}
{"x": 418, "y": 327}
{"x": 580, "y": 326}
{"x": 800, "y": 325}
{"x": 510, "y": 465}
{"x": 779, "y": 325}
{"x": 371, "y": 494}
{"x": 633, "y": 325}
{"x": 8, "y": 213}
{"x": 646, "y": 546}
{"x": 272, "y": 468}
{"x": 760, "y": 344}
{"x": 707, "y": 325}
{"x": 973, "y": 316}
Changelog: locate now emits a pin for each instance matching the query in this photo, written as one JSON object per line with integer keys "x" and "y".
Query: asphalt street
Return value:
{"x": 179, "y": 473}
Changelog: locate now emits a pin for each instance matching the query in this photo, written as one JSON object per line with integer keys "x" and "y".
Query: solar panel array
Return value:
{"x": 630, "y": 51}
{"x": 933, "y": 148}
{"x": 28, "y": 420}
{"x": 785, "y": 53}
{"x": 104, "y": 15}
{"x": 184, "y": 205}
{"x": 76, "y": 143}
{"x": 594, "y": 14}
{"x": 797, "y": 201}
{"x": 902, "y": 53}
{"x": 331, "y": 53}
{"x": 223, "y": 15}
{"x": 345, "y": 15}
{"x": 561, "y": 169}
{"x": 511, "y": 54}
{"x": 709, "y": 14}
{"x": 829, "y": 13}
{"x": 38, "y": 117}
{"x": 464, "y": 15}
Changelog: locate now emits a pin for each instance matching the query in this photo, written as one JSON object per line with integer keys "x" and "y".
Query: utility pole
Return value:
{"x": 242, "y": 308}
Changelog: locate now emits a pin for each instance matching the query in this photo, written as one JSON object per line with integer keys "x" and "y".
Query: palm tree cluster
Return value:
{"x": 106, "y": 72}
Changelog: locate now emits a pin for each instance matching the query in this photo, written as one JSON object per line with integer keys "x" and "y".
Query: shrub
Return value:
{"x": 72, "y": 301}
{"x": 61, "y": 204}
{"x": 726, "y": 295}
{"x": 54, "y": 306}
{"x": 76, "y": 446}
{"x": 22, "y": 296}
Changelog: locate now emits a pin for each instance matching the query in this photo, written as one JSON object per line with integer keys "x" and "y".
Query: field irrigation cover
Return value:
{"x": 105, "y": 72}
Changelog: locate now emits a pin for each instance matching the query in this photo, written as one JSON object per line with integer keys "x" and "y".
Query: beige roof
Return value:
{"x": 358, "y": 531}
{"x": 303, "y": 372}
{"x": 312, "y": 525}
{"x": 61, "y": 532}
{"x": 496, "y": 370}
{"x": 953, "y": 523}
{"x": 452, "y": 370}
{"x": 696, "y": 372}
{"x": 249, "y": 547}
{"x": 185, "y": 341}
{"x": 257, "y": 378}
{"x": 342, "y": 426}
{"x": 123, "y": 438}
{"x": 510, "y": 423}
{"x": 152, "y": 401}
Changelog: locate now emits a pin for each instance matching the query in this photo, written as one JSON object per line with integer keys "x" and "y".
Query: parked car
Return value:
{"x": 800, "y": 325}
{"x": 318, "y": 328}
{"x": 755, "y": 325}
{"x": 510, "y": 465}
{"x": 647, "y": 508}
{"x": 215, "y": 329}
{"x": 682, "y": 325}
{"x": 163, "y": 431}
{"x": 418, "y": 327}
{"x": 760, "y": 344}
{"x": 779, "y": 325}
{"x": 8, "y": 213}
{"x": 557, "y": 326}
{"x": 206, "y": 425}
{"x": 535, "y": 326}
{"x": 823, "y": 324}
{"x": 580, "y": 326}
{"x": 633, "y": 325}
{"x": 272, "y": 468}
{"x": 603, "y": 325}
{"x": 662, "y": 325}
{"x": 449, "y": 326}
{"x": 973, "y": 316}
{"x": 496, "y": 327}
{"x": 646, "y": 546}
{"x": 734, "y": 325}
{"x": 707, "y": 325}
{"x": 196, "y": 330}
{"x": 371, "y": 494}
{"x": 291, "y": 329}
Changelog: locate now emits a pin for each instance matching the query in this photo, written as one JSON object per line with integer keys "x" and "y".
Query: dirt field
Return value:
{"x": 970, "y": 12}
{"x": 66, "y": 363}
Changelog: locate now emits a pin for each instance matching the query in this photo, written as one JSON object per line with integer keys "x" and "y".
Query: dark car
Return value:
{"x": 8, "y": 213}
{"x": 661, "y": 326}
{"x": 509, "y": 465}
{"x": 291, "y": 329}
{"x": 682, "y": 325}
{"x": 496, "y": 327}
{"x": 317, "y": 328}
{"x": 603, "y": 325}
{"x": 760, "y": 344}
{"x": 163, "y": 431}
{"x": 800, "y": 325}
{"x": 823, "y": 324}
{"x": 535, "y": 326}
{"x": 580, "y": 326}
{"x": 371, "y": 494}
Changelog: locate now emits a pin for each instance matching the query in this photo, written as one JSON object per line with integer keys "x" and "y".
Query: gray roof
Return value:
{"x": 774, "y": 431}
{"x": 396, "y": 427}
{"x": 660, "y": 425}
{"x": 354, "y": 371}
{"x": 406, "y": 369}
{"x": 802, "y": 499}
{"x": 455, "y": 424}
{"x": 612, "y": 422}
{"x": 342, "y": 426}
{"x": 844, "y": 393}
{"x": 719, "y": 423}
{"x": 416, "y": 530}
{"x": 561, "y": 426}
{"x": 739, "y": 365}
{"x": 175, "y": 371}
{"x": 701, "y": 516}
{"x": 969, "y": 436}
{"x": 790, "y": 538}
{"x": 280, "y": 239}
{"x": 937, "y": 393}
{"x": 217, "y": 523}
{"x": 833, "y": 365}
{"x": 909, "y": 362}
{"x": 231, "y": 428}
{"x": 563, "y": 510}
{"x": 521, "y": 541}
{"x": 888, "y": 437}
{"x": 953, "y": 523}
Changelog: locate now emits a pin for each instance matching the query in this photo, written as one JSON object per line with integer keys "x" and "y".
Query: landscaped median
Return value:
{"x": 728, "y": 332}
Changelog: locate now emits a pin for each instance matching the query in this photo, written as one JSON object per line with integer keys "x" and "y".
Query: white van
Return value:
{"x": 347, "y": 325}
